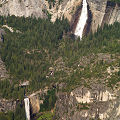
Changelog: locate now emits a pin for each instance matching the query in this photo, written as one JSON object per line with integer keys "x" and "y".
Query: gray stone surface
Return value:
{"x": 68, "y": 108}
{"x": 3, "y": 71}
{"x": 23, "y": 8}
{"x": 7, "y": 105}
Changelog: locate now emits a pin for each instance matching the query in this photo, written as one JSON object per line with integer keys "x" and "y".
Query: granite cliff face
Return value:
{"x": 112, "y": 13}
{"x": 101, "y": 10}
{"x": 22, "y": 8}
{"x": 38, "y": 8}
{"x": 97, "y": 8}
{"x": 85, "y": 104}
{"x": 81, "y": 103}
{"x": 36, "y": 99}
{"x": 93, "y": 99}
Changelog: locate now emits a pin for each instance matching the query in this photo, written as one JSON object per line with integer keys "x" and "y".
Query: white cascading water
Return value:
{"x": 82, "y": 20}
{"x": 27, "y": 108}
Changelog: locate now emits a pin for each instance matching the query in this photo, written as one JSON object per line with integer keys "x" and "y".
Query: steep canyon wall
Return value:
{"x": 87, "y": 104}
{"x": 102, "y": 11}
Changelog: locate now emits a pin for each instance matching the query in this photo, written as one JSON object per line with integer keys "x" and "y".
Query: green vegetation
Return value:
{"x": 52, "y": 3}
{"x": 114, "y": 80}
{"x": 117, "y": 1}
{"x": 19, "y": 114}
{"x": 28, "y": 55}
{"x": 46, "y": 116}
{"x": 9, "y": 90}
{"x": 49, "y": 102}
{"x": 83, "y": 106}
{"x": 40, "y": 44}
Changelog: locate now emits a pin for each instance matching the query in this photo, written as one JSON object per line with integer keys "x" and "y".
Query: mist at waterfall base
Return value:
{"x": 82, "y": 20}
{"x": 27, "y": 108}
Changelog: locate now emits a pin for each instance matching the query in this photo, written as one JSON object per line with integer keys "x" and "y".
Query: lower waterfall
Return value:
{"x": 27, "y": 108}
{"x": 82, "y": 20}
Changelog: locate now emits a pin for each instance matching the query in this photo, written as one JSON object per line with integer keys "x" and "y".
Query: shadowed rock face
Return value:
{"x": 75, "y": 19}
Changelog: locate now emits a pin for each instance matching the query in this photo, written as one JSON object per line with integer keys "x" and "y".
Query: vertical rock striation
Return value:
{"x": 82, "y": 103}
{"x": 112, "y": 13}
{"x": 103, "y": 11}
{"x": 97, "y": 8}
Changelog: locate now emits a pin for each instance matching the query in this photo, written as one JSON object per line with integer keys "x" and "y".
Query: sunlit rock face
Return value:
{"x": 39, "y": 8}
{"x": 112, "y": 13}
{"x": 99, "y": 12}
{"x": 27, "y": 108}
{"x": 66, "y": 8}
{"x": 103, "y": 11}
{"x": 96, "y": 102}
{"x": 35, "y": 104}
{"x": 36, "y": 99}
{"x": 82, "y": 20}
{"x": 22, "y": 8}
{"x": 97, "y": 8}
{"x": 86, "y": 96}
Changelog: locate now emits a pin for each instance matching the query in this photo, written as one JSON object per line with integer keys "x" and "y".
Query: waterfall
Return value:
{"x": 27, "y": 108}
{"x": 82, "y": 20}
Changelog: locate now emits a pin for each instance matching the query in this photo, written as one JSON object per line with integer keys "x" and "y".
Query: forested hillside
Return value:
{"x": 40, "y": 44}
{"x": 29, "y": 54}
{"x": 118, "y": 1}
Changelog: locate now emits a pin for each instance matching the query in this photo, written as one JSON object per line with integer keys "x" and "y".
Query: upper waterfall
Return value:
{"x": 82, "y": 20}
{"x": 27, "y": 108}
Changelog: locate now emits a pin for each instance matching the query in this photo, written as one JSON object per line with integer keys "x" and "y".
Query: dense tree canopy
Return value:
{"x": 29, "y": 53}
{"x": 35, "y": 44}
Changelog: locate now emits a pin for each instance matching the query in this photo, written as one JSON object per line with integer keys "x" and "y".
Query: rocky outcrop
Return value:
{"x": 99, "y": 13}
{"x": 23, "y": 8}
{"x": 97, "y": 8}
{"x": 100, "y": 10}
{"x": 36, "y": 99}
{"x": 7, "y": 105}
{"x": 112, "y": 13}
{"x": 85, "y": 103}
{"x": 38, "y": 8}
{"x": 66, "y": 8}
{"x": 35, "y": 104}
{"x": 103, "y": 11}
{"x": 3, "y": 71}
